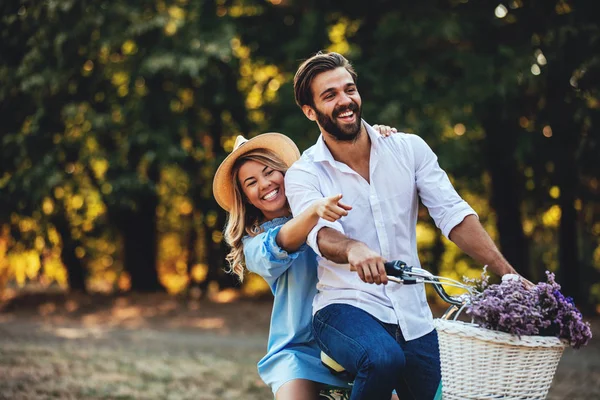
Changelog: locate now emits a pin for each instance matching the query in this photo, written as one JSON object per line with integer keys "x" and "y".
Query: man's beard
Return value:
{"x": 338, "y": 131}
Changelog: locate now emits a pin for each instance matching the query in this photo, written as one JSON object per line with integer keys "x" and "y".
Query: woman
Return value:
{"x": 264, "y": 237}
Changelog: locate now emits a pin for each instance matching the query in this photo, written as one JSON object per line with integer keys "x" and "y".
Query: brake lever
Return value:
{"x": 398, "y": 269}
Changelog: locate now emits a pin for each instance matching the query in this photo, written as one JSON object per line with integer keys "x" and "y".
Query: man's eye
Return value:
{"x": 351, "y": 90}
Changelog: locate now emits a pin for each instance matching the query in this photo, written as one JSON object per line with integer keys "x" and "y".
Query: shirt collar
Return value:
{"x": 322, "y": 152}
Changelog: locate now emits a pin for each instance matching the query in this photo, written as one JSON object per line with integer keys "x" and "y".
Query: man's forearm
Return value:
{"x": 470, "y": 236}
{"x": 334, "y": 245}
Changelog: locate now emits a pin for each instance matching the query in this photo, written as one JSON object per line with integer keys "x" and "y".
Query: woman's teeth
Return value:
{"x": 270, "y": 195}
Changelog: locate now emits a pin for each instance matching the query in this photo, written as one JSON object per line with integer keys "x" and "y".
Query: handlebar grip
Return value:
{"x": 395, "y": 268}
{"x": 399, "y": 269}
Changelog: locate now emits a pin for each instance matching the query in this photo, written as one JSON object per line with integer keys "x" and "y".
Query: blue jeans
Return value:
{"x": 377, "y": 354}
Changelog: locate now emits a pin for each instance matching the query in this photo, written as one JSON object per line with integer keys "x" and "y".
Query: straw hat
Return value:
{"x": 279, "y": 144}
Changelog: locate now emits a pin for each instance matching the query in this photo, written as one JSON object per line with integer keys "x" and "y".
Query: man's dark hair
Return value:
{"x": 320, "y": 62}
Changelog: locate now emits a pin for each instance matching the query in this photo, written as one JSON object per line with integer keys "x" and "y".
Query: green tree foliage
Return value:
{"x": 117, "y": 114}
{"x": 101, "y": 97}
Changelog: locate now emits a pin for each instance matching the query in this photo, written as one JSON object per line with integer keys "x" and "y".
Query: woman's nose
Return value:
{"x": 264, "y": 183}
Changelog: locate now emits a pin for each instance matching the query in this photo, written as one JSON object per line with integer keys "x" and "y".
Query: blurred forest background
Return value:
{"x": 115, "y": 114}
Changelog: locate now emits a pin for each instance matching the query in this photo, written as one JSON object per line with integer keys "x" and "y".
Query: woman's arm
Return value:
{"x": 294, "y": 232}
{"x": 264, "y": 257}
{"x": 272, "y": 252}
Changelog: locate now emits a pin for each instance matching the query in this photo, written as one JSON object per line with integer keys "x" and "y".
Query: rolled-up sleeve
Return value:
{"x": 445, "y": 206}
{"x": 264, "y": 256}
{"x": 302, "y": 190}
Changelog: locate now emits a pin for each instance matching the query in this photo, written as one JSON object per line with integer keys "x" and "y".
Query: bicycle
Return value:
{"x": 399, "y": 272}
{"x": 516, "y": 367}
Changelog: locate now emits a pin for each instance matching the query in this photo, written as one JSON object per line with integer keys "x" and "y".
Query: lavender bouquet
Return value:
{"x": 543, "y": 310}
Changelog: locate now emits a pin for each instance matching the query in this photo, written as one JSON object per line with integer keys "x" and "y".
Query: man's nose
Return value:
{"x": 344, "y": 99}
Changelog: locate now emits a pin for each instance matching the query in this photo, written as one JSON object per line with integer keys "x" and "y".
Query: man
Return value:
{"x": 383, "y": 334}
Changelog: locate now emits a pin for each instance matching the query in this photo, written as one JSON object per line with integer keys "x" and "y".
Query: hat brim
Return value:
{"x": 281, "y": 145}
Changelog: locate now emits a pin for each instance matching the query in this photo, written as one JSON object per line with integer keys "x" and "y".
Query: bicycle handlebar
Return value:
{"x": 398, "y": 271}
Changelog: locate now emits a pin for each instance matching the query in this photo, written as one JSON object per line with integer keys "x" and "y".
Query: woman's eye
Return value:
{"x": 251, "y": 184}
{"x": 270, "y": 172}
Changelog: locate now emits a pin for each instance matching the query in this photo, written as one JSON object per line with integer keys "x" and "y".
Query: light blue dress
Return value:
{"x": 292, "y": 352}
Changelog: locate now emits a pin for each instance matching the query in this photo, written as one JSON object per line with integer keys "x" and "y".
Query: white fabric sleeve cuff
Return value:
{"x": 311, "y": 240}
{"x": 458, "y": 217}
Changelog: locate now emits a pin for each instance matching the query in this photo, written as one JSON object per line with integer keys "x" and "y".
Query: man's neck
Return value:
{"x": 355, "y": 154}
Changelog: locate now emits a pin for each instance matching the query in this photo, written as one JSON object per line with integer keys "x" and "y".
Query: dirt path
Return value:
{"x": 69, "y": 361}
{"x": 134, "y": 347}
{"x": 156, "y": 347}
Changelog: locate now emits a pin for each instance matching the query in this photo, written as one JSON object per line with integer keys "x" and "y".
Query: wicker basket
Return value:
{"x": 480, "y": 363}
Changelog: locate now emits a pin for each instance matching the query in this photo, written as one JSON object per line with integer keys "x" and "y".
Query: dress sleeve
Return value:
{"x": 264, "y": 256}
{"x": 445, "y": 206}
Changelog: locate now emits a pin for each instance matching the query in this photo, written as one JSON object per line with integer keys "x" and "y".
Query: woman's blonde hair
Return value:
{"x": 244, "y": 218}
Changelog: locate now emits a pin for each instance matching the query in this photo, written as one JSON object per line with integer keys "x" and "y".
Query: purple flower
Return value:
{"x": 543, "y": 310}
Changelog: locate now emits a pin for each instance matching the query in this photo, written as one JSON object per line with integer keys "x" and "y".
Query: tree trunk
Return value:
{"x": 139, "y": 232}
{"x": 191, "y": 248}
{"x": 215, "y": 256}
{"x": 567, "y": 234}
{"x": 566, "y": 134}
{"x": 500, "y": 147}
{"x": 76, "y": 271}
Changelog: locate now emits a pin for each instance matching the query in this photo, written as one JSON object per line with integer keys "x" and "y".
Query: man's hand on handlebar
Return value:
{"x": 367, "y": 263}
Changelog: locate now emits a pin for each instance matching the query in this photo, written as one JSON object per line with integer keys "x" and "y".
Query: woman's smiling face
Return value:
{"x": 264, "y": 188}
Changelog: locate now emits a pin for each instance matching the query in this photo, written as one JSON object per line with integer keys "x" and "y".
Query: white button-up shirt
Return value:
{"x": 384, "y": 216}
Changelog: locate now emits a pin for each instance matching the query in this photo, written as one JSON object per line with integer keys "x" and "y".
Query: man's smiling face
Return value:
{"x": 337, "y": 104}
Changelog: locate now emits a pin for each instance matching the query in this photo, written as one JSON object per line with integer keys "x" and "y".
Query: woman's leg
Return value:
{"x": 298, "y": 389}
{"x": 362, "y": 345}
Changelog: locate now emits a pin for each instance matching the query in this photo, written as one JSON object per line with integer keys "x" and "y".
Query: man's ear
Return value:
{"x": 309, "y": 112}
